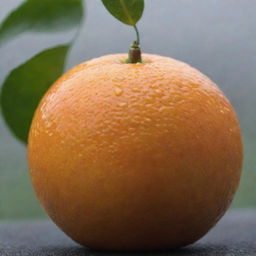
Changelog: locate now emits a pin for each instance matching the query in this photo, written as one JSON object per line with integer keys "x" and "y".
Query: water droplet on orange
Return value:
{"x": 118, "y": 91}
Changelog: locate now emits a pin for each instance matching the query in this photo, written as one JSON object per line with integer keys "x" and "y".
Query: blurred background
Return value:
{"x": 217, "y": 37}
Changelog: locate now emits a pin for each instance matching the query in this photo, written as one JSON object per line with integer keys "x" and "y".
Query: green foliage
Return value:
{"x": 127, "y": 11}
{"x": 25, "y": 86}
{"x": 41, "y": 16}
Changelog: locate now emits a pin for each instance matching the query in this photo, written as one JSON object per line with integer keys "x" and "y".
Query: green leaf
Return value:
{"x": 25, "y": 86}
{"x": 126, "y": 11}
{"x": 41, "y": 16}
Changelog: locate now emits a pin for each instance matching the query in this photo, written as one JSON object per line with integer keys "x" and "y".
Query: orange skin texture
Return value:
{"x": 135, "y": 156}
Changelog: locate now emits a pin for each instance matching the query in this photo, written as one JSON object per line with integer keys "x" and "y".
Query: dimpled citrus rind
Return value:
{"x": 135, "y": 156}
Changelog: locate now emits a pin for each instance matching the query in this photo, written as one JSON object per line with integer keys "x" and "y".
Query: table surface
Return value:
{"x": 234, "y": 235}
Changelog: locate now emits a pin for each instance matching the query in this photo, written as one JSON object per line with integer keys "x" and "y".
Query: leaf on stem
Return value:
{"x": 127, "y": 11}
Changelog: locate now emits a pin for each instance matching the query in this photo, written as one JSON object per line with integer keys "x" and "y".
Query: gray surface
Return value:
{"x": 234, "y": 235}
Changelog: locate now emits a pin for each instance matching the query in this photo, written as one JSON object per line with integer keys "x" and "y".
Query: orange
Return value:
{"x": 135, "y": 156}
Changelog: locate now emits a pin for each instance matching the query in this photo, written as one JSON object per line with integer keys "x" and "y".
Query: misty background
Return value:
{"x": 217, "y": 37}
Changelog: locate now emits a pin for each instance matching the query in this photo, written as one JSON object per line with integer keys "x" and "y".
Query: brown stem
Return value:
{"x": 134, "y": 53}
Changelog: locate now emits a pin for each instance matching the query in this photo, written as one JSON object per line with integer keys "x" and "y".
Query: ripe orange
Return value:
{"x": 135, "y": 156}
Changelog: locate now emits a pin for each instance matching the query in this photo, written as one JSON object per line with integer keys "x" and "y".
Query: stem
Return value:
{"x": 134, "y": 51}
{"x": 137, "y": 34}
